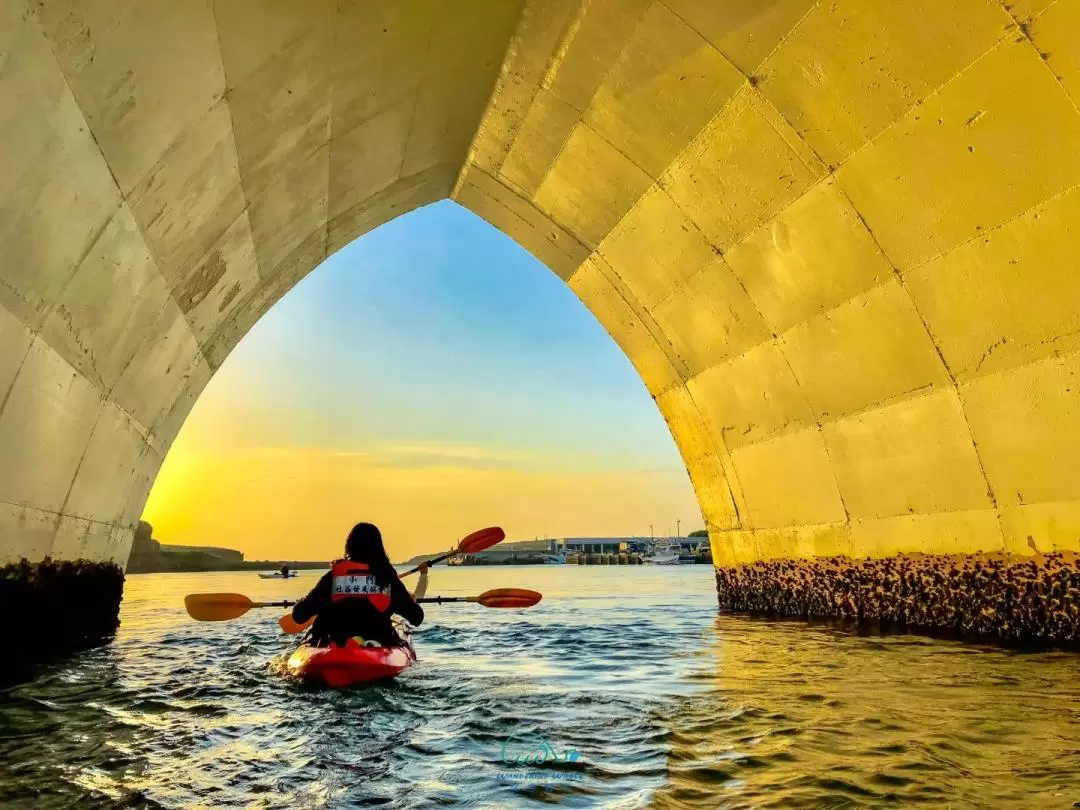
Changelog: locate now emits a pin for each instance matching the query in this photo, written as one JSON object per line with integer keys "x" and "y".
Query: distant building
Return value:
{"x": 610, "y": 545}
{"x": 559, "y": 546}
{"x": 594, "y": 545}
{"x": 507, "y": 551}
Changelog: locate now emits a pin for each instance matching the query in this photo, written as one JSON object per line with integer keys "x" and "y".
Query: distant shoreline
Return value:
{"x": 164, "y": 565}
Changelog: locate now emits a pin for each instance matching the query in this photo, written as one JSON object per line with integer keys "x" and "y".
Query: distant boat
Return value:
{"x": 458, "y": 559}
{"x": 279, "y": 575}
{"x": 663, "y": 554}
{"x": 555, "y": 559}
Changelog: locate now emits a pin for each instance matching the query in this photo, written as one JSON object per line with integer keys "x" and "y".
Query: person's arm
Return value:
{"x": 315, "y": 602}
{"x": 421, "y": 586}
{"x": 403, "y": 604}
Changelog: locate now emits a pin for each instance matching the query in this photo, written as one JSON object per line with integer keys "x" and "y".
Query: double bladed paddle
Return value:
{"x": 217, "y": 607}
{"x": 221, "y": 607}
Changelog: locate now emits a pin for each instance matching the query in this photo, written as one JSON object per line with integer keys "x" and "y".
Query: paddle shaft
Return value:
{"x": 438, "y": 600}
{"x": 431, "y": 562}
{"x": 478, "y": 541}
{"x": 435, "y": 600}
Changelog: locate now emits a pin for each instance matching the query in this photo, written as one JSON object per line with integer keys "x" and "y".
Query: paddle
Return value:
{"x": 221, "y": 607}
{"x": 476, "y": 542}
{"x": 496, "y": 598}
{"x": 472, "y": 544}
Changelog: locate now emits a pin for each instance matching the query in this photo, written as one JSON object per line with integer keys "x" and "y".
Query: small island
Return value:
{"x": 150, "y": 556}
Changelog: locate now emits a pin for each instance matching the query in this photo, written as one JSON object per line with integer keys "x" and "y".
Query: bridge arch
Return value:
{"x": 837, "y": 240}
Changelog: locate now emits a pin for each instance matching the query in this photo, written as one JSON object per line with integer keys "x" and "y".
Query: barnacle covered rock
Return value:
{"x": 1006, "y": 599}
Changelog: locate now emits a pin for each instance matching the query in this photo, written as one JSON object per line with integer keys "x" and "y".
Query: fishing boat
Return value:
{"x": 665, "y": 553}
{"x": 279, "y": 575}
{"x": 699, "y": 553}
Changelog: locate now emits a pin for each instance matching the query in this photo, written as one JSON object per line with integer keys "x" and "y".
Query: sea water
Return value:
{"x": 623, "y": 688}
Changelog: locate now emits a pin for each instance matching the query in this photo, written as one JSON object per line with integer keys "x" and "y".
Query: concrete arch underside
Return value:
{"x": 837, "y": 240}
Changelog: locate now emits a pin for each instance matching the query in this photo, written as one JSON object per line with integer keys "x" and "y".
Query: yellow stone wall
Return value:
{"x": 837, "y": 239}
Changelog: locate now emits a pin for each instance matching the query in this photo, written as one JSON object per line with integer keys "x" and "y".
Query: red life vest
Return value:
{"x": 353, "y": 580}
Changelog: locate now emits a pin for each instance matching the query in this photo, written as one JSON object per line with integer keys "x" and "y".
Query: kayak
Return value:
{"x": 278, "y": 576}
{"x": 346, "y": 666}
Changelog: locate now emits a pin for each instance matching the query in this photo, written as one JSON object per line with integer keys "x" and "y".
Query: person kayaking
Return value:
{"x": 354, "y": 600}
{"x": 285, "y": 571}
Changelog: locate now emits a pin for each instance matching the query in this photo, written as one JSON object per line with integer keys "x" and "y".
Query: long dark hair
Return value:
{"x": 364, "y": 544}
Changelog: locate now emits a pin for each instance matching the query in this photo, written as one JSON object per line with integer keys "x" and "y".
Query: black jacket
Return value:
{"x": 337, "y": 621}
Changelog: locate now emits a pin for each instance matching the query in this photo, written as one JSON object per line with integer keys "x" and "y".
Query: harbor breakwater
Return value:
{"x": 574, "y": 559}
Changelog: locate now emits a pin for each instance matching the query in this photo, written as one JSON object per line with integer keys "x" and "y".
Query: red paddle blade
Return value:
{"x": 509, "y": 598}
{"x": 481, "y": 539}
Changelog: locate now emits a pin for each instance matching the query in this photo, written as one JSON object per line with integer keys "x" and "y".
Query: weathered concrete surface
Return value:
{"x": 838, "y": 240}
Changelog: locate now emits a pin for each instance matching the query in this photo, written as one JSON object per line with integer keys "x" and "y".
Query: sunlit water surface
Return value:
{"x": 627, "y": 675}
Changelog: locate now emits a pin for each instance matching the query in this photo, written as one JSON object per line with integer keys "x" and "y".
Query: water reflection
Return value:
{"x": 809, "y": 717}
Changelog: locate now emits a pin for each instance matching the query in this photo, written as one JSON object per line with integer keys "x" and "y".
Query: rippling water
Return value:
{"x": 626, "y": 674}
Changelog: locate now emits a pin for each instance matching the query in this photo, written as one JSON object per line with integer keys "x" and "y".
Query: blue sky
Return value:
{"x": 433, "y": 341}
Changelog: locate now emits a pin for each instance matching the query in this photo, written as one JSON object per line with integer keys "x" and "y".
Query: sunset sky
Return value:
{"x": 433, "y": 378}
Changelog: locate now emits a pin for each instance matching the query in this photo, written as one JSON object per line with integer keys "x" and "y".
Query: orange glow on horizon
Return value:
{"x": 295, "y": 503}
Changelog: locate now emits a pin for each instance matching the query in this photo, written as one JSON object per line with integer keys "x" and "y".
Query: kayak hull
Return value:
{"x": 338, "y": 667}
{"x": 276, "y": 576}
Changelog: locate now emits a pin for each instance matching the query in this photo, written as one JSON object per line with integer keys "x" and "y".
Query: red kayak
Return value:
{"x": 350, "y": 665}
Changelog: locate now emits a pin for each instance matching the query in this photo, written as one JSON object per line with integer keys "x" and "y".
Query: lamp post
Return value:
{"x": 677, "y": 522}
{"x": 652, "y": 535}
